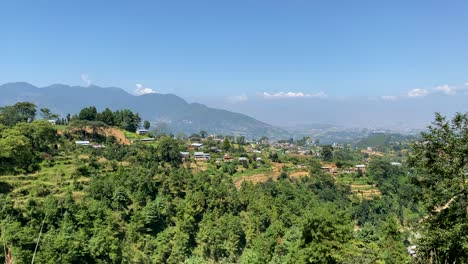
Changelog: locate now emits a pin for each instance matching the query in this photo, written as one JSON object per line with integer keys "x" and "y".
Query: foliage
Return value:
{"x": 441, "y": 162}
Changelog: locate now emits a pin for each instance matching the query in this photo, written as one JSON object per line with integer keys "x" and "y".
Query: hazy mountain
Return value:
{"x": 168, "y": 109}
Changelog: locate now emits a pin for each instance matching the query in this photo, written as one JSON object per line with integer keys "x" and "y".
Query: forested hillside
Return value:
{"x": 108, "y": 202}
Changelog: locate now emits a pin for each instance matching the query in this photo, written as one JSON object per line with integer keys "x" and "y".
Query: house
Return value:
{"x": 142, "y": 131}
{"x": 195, "y": 145}
{"x": 201, "y": 156}
{"x": 53, "y": 122}
{"x": 398, "y": 164}
{"x": 243, "y": 160}
{"x": 98, "y": 146}
{"x": 361, "y": 168}
{"x": 184, "y": 155}
{"x": 412, "y": 250}
{"x": 227, "y": 158}
{"x": 82, "y": 142}
{"x": 258, "y": 159}
{"x": 215, "y": 149}
{"x": 327, "y": 169}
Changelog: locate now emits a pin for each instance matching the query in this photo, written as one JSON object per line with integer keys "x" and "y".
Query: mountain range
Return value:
{"x": 162, "y": 110}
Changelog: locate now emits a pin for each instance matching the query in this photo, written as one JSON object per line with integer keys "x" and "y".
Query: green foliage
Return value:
{"x": 140, "y": 204}
{"x": 124, "y": 119}
{"x": 146, "y": 124}
{"x": 327, "y": 153}
{"x": 20, "y": 112}
{"x": 441, "y": 161}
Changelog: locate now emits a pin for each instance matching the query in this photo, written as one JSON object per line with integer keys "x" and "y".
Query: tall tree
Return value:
{"x": 327, "y": 153}
{"x": 107, "y": 116}
{"x": 88, "y": 113}
{"x": 47, "y": 114}
{"x": 240, "y": 140}
{"x": 203, "y": 133}
{"x": 26, "y": 111}
{"x": 441, "y": 163}
{"x": 226, "y": 144}
{"x": 146, "y": 124}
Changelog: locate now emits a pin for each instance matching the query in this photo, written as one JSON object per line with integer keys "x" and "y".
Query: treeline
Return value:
{"x": 27, "y": 112}
{"x": 124, "y": 119}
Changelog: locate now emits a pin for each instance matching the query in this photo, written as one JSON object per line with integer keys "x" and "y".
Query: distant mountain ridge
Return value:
{"x": 175, "y": 112}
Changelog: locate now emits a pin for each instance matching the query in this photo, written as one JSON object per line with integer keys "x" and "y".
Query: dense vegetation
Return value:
{"x": 140, "y": 203}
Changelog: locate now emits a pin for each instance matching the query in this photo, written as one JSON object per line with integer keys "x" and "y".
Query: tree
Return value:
{"x": 327, "y": 153}
{"x": 8, "y": 116}
{"x": 127, "y": 120}
{"x": 169, "y": 150}
{"x": 146, "y": 124}
{"x": 226, "y": 144}
{"x": 441, "y": 163}
{"x": 47, "y": 114}
{"x": 88, "y": 113}
{"x": 240, "y": 140}
{"x": 325, "y": 237}
{"x": 203, "y": 134}
{"x": 20, "y": 112}
{"x": 107, "y": 116}
{"x": 26, "y": 111}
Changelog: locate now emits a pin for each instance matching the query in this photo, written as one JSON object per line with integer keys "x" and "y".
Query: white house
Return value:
{"x": 184, "y": 154}
{"x": 201, "y": 156}
{"x": 142, "y": 131}
{"x": 82, "y": 142}
{"x": 361, "y": 168}
{"x": 196, "y": 145}
{"x": 243, "y": 160}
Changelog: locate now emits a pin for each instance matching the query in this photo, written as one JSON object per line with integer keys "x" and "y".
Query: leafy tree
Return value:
{"x": 226, "y": 144}
{"x": 26, "y": 111}
{"x": 107, "y": 116}
{"x": 47, "y": 114}
{"x": 203, "y": 134}
{"x": 240, "y": 140}
{"x": 327, "y": 153}
{"x": 441, "y": 163}
{"x": 146, "y": 124}
{"x": 274, "y": 157}
{"x": 325, "y": 236}
{"x": 88, "y": 113}
{"x": 20, "y": 112}
{"x": 16, "y": 152}
{"x": 168, "y": 149}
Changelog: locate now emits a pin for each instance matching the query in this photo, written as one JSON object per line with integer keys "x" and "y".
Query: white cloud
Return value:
{"x": 292, "y": 95}
{"x": 140, "y": 90}
{"x": 237, "y": 98}
{"x": 417, "y": 92}
{"x": 449, "y": 90}
{"x": 466, "y": 84}
{"x": 85, "y": 79}
{"x": 389, "y": 97}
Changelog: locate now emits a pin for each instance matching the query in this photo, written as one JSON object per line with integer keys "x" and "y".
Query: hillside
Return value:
{"x": 167, "y": 109}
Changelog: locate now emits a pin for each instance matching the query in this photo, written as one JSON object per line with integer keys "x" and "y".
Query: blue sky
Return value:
{"x": 228, "y": 52}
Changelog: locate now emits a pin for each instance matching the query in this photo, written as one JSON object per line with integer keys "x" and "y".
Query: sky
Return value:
{"x": 246, "y": 56}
